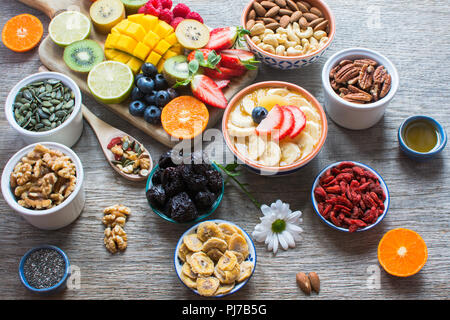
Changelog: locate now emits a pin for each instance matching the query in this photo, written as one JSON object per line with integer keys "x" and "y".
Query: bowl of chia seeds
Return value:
{"x": 44, "y": 269}
{"x": 46, "y": 106}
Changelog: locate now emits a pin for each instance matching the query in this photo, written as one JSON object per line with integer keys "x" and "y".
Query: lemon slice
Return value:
{"x": 110, "y": 81}
{"x": 68, "y": 27}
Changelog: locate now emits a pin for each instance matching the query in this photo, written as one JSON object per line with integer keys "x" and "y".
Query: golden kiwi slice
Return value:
{"x": 239, "y": 244}
{"x": 207, "y": 286}
{"x": 192, "y": 34}
{"x": 201, "y": 264}
{"x": 192, "y": 242}
{"x": 224, "y": 288}
{"x": 246, "y": 269}
{"x": 186, "y": 269}
{"x": 188, "y": 281}
{"x": 208, "y": 229}
{"x": 215, "y": 242}
{"x": 228, "y": 261}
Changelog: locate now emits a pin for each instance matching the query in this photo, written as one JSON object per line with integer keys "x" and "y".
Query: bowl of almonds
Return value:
{"x": 288, "y": 34}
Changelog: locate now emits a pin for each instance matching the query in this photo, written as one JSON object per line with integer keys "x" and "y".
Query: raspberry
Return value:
{"x": 166, "y": 4}
{"x": 149, "y": 9}
{"x": 194, "y": 15}
{"x": 181, "y": 10}
{"x": 166, "y": 15}
{"x": 176, "y": 21}
{"x": 155, "y": 3}
{"x": 142, "y": 9}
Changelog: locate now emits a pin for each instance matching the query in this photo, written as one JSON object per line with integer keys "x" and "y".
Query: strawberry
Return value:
{"x": 205, "y": 89}
{"x": 223, "y": 73}
{"x": 272, "y": 122}
{"x": 238, "y": 59}
{"x": 222, "y": 83}
{"x": 299, "y": 119}
{"x": 205, "y": 52}
{"x": 286, "y": 126}
{"x": 224, "y": 38}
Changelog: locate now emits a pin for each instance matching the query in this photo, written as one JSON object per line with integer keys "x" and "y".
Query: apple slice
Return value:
{"x": 286, "y": 126}
{"x": 272, "y": 122}
{"x": 299, "y": 119}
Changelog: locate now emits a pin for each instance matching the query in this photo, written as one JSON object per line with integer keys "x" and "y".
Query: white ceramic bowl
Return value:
{"x": 68, "y": 132}
{"x": 54, "y": 218}
{"x": 251, "y": 257}
{"x": 352, "y": 115}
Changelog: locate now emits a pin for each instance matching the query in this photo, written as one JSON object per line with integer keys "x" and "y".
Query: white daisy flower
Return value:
{"x": 279, "y": 226}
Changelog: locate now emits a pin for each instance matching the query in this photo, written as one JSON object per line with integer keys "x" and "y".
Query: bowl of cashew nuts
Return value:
{"x": 288, "y": 34}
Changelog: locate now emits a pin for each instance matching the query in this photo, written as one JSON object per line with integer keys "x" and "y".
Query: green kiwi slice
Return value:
{"x": 132, "y": 6}
{"x": 176, "y": 69}
{"x": 82, "y": 56}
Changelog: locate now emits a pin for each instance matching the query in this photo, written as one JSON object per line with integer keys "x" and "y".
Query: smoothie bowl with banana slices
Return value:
{"x": 274, "y": 127}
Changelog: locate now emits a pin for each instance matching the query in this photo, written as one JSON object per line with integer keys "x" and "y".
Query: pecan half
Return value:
{"x": 361, "y": 62}
{"x": 362, "y": 97}
{"x": 378, "y": 75}
{"x": 347, "y": 72}
{"x": 365, "y": 79}
{"x": 386, "y": 85}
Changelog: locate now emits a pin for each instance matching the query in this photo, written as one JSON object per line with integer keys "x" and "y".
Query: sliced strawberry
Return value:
{"x": 205, "y": 89}
{"x": 286, "y": 126}
{"x": 272, "y": 122}
{"x": 225, "y": 38}
{"x": 205, "y": 52}
{"x": 238, "y": 59}
{"x": 223, "y": 73}
{"x": 299, "y": 119}
{"x": 222, "y": 83}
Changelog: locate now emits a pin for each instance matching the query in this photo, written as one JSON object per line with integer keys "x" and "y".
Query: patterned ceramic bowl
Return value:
{"x": 292, "y": 62}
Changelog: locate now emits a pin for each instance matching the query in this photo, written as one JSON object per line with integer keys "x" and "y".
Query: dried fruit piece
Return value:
{"x": 207, "y": 286}
{"x": 315, "y": 281}
{"x": 207, "y": 230}
{"x": 239, "y": 244}
{"x": 227, "y": 262}
{"x": 182, "y": 251}
{"x": 186, "y": 269}
{"x": 191, "y": 283}
{"x": 201, "y": 264}
{"x": 215, "y": 243}
{"x": 246, "y": 269}
{"x": 225, "y": 288}
{"x": 303, "y": 282}
{"x": 193, "y": 243}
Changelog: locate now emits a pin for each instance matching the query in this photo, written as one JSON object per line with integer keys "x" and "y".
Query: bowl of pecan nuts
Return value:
{"x": 43, "y": 183}
{"x": 359, "y": 83}
{"x": 288, "y": 34}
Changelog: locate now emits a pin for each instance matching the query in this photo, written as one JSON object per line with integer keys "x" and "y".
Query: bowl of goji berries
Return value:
{"x": 350, "y": 196}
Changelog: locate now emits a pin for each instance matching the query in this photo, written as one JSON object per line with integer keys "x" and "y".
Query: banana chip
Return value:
{"x": 207, "y": 286}
{"x": 186, "y": 269}
{"x": 225, "y": 288}
{"x": 245, "y": 271}
{"x": 182, "y": 252}
{"x": 214, "y": 242}
{"x": 188, "y": 281}
{"x": 208, "y": 229}
{"x": 239, "y": 256}
{"x": 193, "y": 243}
{"x": 201, "y": 264}
{"x": 228, "y": 261}
{"x": 227, "y": 230}
{"x": 239, "y": 244}
{"x": 214, "y": 254}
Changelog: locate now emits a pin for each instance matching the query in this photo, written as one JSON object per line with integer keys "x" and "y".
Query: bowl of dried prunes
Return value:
{"x": 184, "y": 188}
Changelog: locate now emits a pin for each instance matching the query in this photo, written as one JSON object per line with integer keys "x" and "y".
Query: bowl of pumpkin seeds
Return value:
{"x": 46, "y": 106}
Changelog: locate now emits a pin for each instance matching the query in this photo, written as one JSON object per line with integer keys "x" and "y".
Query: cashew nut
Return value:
{"x": 319, "y": 34}
{"x": 271, "y": 39}
{"x": 280, "y": 50}
{"x": 257, "y": 29}
{"x": 305, "y": 33}
{"x": 290, "y": 44}
{"x": 268, "y": 31}
{"x": 313, "y": 42}
{"x": 281, "y": 38}
{"x": 291, "y": 51}
{"x": 268, "y": 48}
{"x": 306, "y": 48}
{"x": 305, "y": 41}
{"x": 281, "y": 30}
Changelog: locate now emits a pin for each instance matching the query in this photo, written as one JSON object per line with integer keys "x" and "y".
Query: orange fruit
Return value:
{"x": 402, "y": 252}
{"x": 22, "y": 33}
{"x": 184, "y": 117}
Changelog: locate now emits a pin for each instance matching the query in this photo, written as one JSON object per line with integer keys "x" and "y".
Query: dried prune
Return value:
{"x": 196, "y": 182}
{"x": 181, "y": 208}
{"x": 156, "y": 178}
{"x": 172, "y": 181}
{"x": 169, "y": 159}
{"x": 205, "y": 199}
{"x": 156, "y": 195}
{"x": 215, "y": 180}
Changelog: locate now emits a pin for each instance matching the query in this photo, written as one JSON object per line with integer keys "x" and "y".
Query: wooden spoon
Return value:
{"x": 105, "y": 133}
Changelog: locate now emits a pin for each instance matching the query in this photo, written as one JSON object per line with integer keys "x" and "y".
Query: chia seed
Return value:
{"x": 44, "y": 268}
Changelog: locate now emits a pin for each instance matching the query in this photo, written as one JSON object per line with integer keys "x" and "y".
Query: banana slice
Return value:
{"x": 219, "y": 274}
{"x": 201, "y": 264}
{"x": 208, "y": 229}
{"x": 310, "y": 113}
{"x": 245, "y": 271}
{"x": 290, "y": 152}
{"x": 215, "y": 243}
{"x": 186, "y": 269}
{"x": 313, "y": 129}
{"x": 182, "y": 251}
{"x": 215, "y": 254}
{"x": 224, "y": 288}
{"x": 192, "y": 242}
{"x": 239, "y": 256}
{"x": 256, "y": 147}
{"x": 227, "y": 277}
{"x": 227, "y": 262}
{"x": 188, "y": 257}
{"x": 241, "y": 147}
{"x": 241, "y": 120}
{"x": 239, "y": 244}
{"x": 305, "y": 143}
{"x": 278, "y": 92}
{"x": 227, "y": 230}
{"x": 188, "y": 281}
{"x": 207, "y": 286}
{"x": 272, "y": 155}
{"x": 240, "y": 132}
{"x": 298, "y": 101}
{"x": 247, "y": 105}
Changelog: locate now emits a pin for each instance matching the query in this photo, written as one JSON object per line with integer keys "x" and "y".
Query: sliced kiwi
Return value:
{"x": 105, "y": 14}
{"x": 176, "y": 69}
{"x": 192, "y": 34}
{"x": 132, "y": 6}
{"x": 82, "y": 56}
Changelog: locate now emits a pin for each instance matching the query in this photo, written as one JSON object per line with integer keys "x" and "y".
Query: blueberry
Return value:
{"x": 146, "y": 84}
{"x": 259, "y": 114}
{"x": 149, "y": 70}
{"x": 160, "y": 82}
{"x": 138, "y": 76}
{"x": 136, "y": 94}
{"x": 162, "y": 98}
{"x": 172, "y": 93}
{"x": 151, "y": 98}
{"x": 152, "y": 115}
{"x": 137, "y": 108}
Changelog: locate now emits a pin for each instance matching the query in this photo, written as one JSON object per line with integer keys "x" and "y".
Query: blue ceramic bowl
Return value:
{"x": 199, "y": 218}
{"x": 420, "y": 156}
{"x": 57, "y": 287}
{"x": 251, "y": 257}
{"x": 382, "y": 184}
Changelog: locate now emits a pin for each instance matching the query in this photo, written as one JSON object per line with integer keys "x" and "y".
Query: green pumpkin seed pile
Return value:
{"x": 43, "y": 105}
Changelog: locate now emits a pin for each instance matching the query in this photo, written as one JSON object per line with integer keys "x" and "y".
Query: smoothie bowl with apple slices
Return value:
{"x": 274, "y": 127}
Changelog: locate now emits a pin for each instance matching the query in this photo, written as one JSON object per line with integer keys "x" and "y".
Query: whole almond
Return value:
{"x": 303, "y": 23}
{"x": 272, "y": 26}
{"x": 316, "y": 11}
{"x": 292, "y": 5}
{"x": 269, "y": 20}
{"x": 272, "y": 12}
{"x": 321, "y": 26}
{"x": 314, "y": 23}
{"x": 302, "y": 7}
{"x": 250, "y": 23}
{"x": 310, "y": 16}
{"x": 251, "y": 15}
{"x": 284, "y": 21}
{"x": 296, "y": 16}
{"x": 260, "y": 11}
{"x": 315, "y": 281}
{"x": 306, "y": 4}
{"x": 267, "y": 4}
{"x": 281, "y": 3}
{"x": 303, "y": 282}
{"x": 284, "y": 12}
{"x": 277, "y": 18}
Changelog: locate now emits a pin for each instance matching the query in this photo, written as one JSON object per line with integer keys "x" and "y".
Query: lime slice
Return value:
{"x": 110, "y": 81}
{"x": 68, "y": 27}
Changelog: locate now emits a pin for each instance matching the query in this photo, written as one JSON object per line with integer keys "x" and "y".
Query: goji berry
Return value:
{"x": 114, "y": 141}
{"x": 333, "y": 189}
{"x": 345, "y": 164}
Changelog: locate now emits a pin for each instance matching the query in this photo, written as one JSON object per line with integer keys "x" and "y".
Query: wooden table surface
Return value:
{"x": 413, "y": 34}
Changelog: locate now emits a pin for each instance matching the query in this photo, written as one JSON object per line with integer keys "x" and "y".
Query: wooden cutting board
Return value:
{"x": 51, "y": 56}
